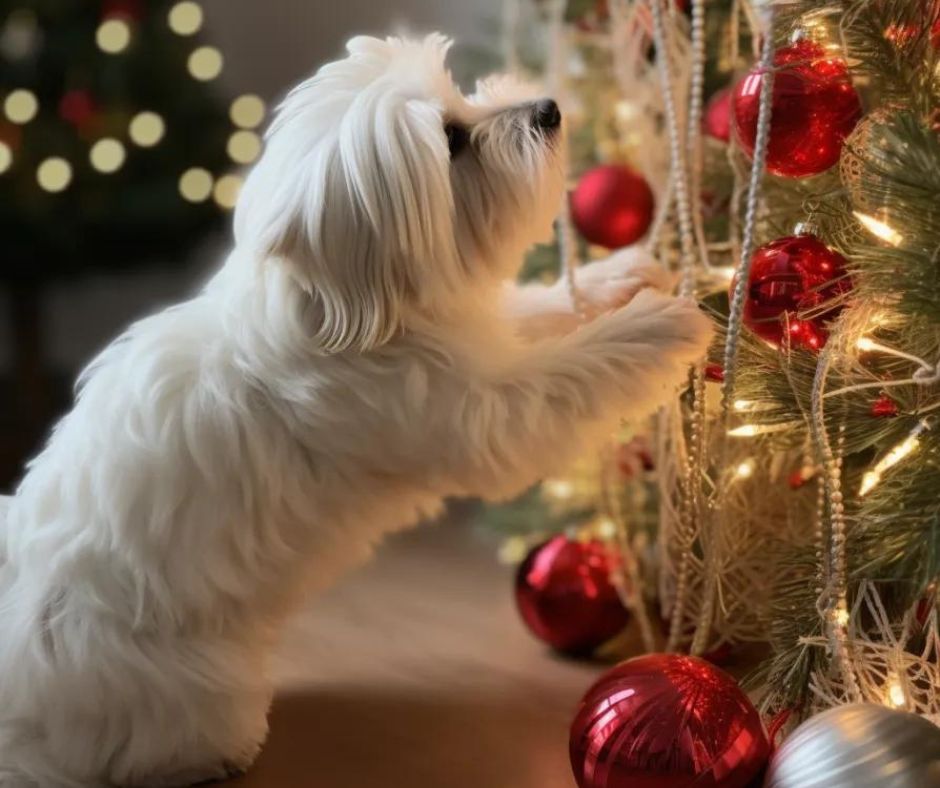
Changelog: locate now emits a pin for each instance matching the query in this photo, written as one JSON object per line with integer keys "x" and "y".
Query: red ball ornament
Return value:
{"x": 667, "y": 721}
{"x": 565, "y": 595}
{"x": 790, "y": 283}
{"x": 714, "y": 373}
{"x": 815, "y": 107}
{"x": 884, "y": 407}
{"x": 77, "y": 107}
{"x": 612, "y": 206}
{"x": 717, "y": 120}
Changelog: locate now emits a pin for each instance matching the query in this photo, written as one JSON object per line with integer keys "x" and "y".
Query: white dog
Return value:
{"x": 358, "y": 358}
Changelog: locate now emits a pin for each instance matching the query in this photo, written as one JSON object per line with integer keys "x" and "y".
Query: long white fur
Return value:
{"x": 358, "y": 357}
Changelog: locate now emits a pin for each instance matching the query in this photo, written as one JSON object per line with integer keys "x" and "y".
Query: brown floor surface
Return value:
{"x": 415, "y": 672}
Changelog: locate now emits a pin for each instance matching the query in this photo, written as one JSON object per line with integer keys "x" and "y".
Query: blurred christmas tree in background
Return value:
{"x": 117, "y": 150}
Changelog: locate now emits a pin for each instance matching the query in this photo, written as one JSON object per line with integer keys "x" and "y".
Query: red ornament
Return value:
{"x": 77, "y": 107}
{"x": 612, "y": 206}
{"x": 715, "y": 373}
{"x": 132, "y": 10}
{"x": 788, "y": 278}
{"x": 815, "y": 107}
{"x": 801, "y": 476}
{"x": 717, "y": 120}
{"x": 884, "y": 407}
{"x": 565, "y": 595}
{"x": 667, "y": 721}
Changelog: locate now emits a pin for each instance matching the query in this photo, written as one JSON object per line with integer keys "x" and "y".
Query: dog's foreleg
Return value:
{"x": 564, "y": 394}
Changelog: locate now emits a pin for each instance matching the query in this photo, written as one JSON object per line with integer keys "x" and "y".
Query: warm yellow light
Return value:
{"x": 244, "y": 147}
{"x": 247, "y": 112}
{"x": 726, "y": 272}
{"x": 841, "y": 616}
{"x": 54, "y": 174}
{"x": 107, "y": 155}
{"x": 865, "y": 344}
{"x": 745, "y": 470}
{"x": 745, "y": 431}
{"x": 896, "y": 695}
{"x": 6, "y": 156}
{"x": 205, "y": 63}
{"x": 21, "y": 106}
{"x": 743, "y": 404}
{"x": 606, "y": 528}
{"x": 196, "y": 185}
{"x": 146, "y": 129}
{"x": 226, "y": 191}
{"x": 559, "y": 489}
{"x": 872, "y": 478}
{"x": 513, "y": 550}
{"x": 185, "y": 18}
{"x": 879, "y": 229}
{"x": 113, "y": 36}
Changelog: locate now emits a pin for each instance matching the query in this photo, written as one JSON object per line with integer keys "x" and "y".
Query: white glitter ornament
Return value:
{"x": 861, "y": 745}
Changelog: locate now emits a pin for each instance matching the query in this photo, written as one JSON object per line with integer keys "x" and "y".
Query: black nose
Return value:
{"x": 547, "y": 114}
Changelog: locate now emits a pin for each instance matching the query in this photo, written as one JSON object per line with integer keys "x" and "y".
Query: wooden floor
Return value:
{"x": 416, "y": 673}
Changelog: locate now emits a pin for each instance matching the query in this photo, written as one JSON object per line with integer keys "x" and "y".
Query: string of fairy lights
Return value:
{"x": 147, "y": 128}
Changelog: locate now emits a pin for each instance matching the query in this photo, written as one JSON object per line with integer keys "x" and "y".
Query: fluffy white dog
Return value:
{"x": 358, "y": 357}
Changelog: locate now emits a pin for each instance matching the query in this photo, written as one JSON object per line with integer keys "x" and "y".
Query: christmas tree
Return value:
{"x": 116, "y": 149}
{"x": 793, "y": 151}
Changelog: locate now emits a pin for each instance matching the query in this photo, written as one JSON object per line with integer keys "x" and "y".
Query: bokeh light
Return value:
{"x": 107, "y": 155}
{"x": 196, "y": 184}
{"x": 54, "y": 174}
{"x": 247, "y": 112}
{"x": 21, "y": 106}
{"x": 205, "y": 63}
{"x": 185, "y": 18}
{"x": 226, "y": 191}
{"x": 146, "y": 129}
{"x": 6, "y": 157}
{"x": 113, "y": 36}
{"x": 244, "y": 147}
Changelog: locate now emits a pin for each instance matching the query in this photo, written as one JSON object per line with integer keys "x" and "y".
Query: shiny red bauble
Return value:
{"x": 612, "y": 206}
{"x": 815, "y": 107}
{"x": 791, "y": 284}
{"x": 716, "y": 122}
{"x": 884, "y": 407}
{"x": 667, "y": 721}
{"x": 566, "y": 597}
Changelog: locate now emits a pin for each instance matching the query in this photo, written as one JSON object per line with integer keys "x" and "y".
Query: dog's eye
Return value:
{"x": 457, "y": 138}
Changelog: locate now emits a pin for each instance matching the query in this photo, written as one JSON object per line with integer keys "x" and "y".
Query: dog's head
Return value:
{"x": 383, "y": 189}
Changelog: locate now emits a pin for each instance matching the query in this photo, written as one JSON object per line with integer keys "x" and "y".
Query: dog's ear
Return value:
{"x": 363, "y": 219}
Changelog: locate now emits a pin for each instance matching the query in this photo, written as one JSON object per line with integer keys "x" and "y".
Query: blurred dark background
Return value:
{"x": 121, "y": 144}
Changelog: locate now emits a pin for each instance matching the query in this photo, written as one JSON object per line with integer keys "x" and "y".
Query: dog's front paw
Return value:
{"x": 614, "y": 282}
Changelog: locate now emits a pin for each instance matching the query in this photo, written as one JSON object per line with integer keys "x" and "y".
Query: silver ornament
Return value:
{"x": 859, "y": 746}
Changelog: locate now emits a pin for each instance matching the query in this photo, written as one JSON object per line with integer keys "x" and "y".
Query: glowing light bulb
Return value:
{"x": 54, "y": 174}
{"x": 247, "y": 112}
{"x": 21, "y": 106}
{"x": 872, "y": 478}
{"x": 879, "y": 229}
{"x": 841, "y": 616}
{"x": 196, "y": 185}
{"x": 896, "y": 695}
{"x": 6, "y": 157}
{"x": 745, "y": 431}
{"x": 185, "y": 18}
{"x": 244, "y": 147}
{"x": 559, "y": 489}
{"x": 205, "y": 63}
{"x": 865, "y": 344}
{"x": 226, "y": 191}
{"x": 146, "y": 129}
{"x": 745, "y": 470}
{"x": 113, "y": 36}
{"x": 107, "y": 155}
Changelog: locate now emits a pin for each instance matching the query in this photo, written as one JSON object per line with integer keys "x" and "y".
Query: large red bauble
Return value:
{"x": 566, "y": 597}
{"x": 717, "y": 120}
{"x": 791, "y": 281}
{"x": 667, "y": 721}
{"x": 612, "y": 206}
{"x": 814, "y": 109}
